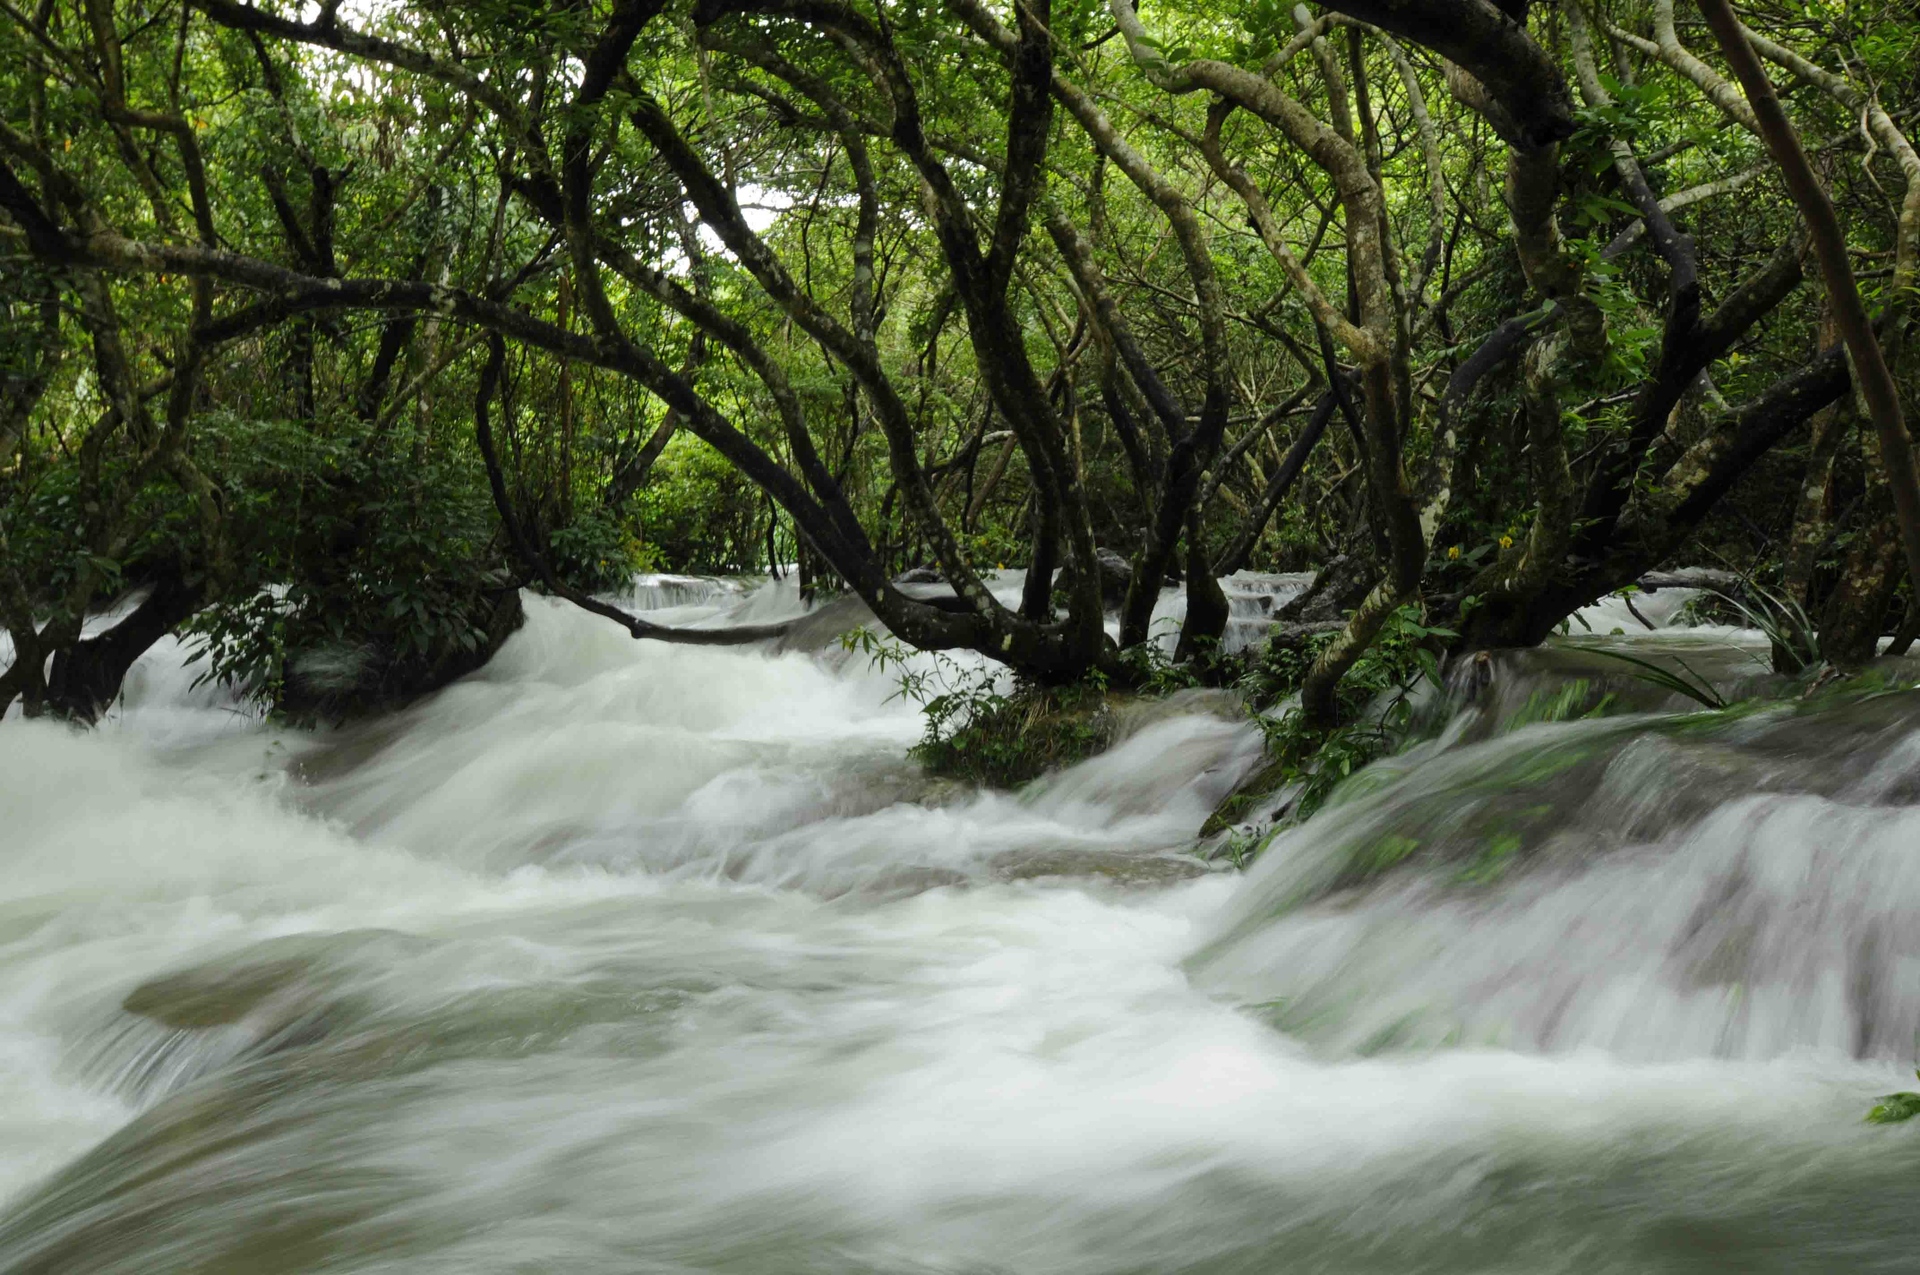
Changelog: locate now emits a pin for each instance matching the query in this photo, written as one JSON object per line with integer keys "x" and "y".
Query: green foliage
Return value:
{"x": 983, "y": 734}
{"x": 1377, "y": 702}
{"x": 1003, "y": 741}
{"x": 697, "y": 515}
{"x": 1636, "y": 110}
{"x": 1895, "y": 1108}
{"x": 1320, "y": 761}
{"x": 1401, "y": 655}
{"x": 1151, "y": 670}
{"x": 328, "y": 453}
{"x": 1241, "y": 847}
{"x": 368, "y": 567}
{"x": 597, "y": 553}
{"x": 1790, "y": 631}
{"x": 1686, "y": 682}
{"x": 1573, "y": 702}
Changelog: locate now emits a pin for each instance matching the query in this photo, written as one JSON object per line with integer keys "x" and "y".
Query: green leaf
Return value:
{"x": 1699, "y": 690}
{"x": 1895, "y": 1108}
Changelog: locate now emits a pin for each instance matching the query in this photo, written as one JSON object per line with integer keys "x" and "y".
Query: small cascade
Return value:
{"x": 699, "y": 762}
{"x": 652, "y": 591}
{"x": 1252, "y": 599}
{"x": 1660, "y": 888}
{"x": 1571, "y": 676}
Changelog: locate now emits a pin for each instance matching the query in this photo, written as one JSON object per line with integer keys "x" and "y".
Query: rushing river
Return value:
{"x": 622, "y": 957}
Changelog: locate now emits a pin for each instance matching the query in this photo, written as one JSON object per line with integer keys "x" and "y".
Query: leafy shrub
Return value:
{"x": 596, "y": 553}
{"x": 1152, "y": 671}
{"x": 1377, "y": 704}
{"x": 697, "y": 514}
{"x": 370, "y": 572}
{"x": 982, "y": 734}
{"x": 1003, "y": 741}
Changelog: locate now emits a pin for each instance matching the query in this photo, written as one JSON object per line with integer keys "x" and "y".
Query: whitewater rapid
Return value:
{"x": 626, "y": 957}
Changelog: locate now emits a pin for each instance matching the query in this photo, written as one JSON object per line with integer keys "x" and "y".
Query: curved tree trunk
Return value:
{"x": 85, "y": 678}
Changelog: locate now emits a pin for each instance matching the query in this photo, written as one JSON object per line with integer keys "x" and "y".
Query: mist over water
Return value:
{"x": 625, "y": 957}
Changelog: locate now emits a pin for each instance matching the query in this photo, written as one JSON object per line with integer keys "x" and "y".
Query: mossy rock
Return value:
{"x": 1258, "y": 788}
{"x": 1029, "y": 734}
{"x": 1118, "y": 867}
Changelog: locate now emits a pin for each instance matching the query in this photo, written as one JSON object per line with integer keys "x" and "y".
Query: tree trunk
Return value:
{"x": 1207, "y": 609}
{"x": 1856, "y": 611}
{"x": 1870, "y": 369}
{"x": 1036, "y": 598}
{"x": 86, "y": 676}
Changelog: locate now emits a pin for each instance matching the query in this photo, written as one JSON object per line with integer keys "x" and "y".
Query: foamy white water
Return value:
{"x": 626, "y": 957}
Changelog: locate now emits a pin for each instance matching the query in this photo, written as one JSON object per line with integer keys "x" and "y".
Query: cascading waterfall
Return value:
{"x": 1656, "y": 890}
{"x": 658, "y": 592}
{"x": 617, "y": 956}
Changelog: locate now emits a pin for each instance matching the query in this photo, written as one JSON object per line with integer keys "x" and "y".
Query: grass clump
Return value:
{"x": 988, "y": 729}
{"x": 1378, "y": 704}
{"x": 1004, "y": 741}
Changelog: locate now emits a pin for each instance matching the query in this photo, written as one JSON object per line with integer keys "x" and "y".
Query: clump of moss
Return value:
{"x": 1003, "y": 741}
{"x": 987, "y": 730}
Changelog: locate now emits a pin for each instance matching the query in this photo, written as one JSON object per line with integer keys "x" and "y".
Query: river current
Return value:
{"x": 625, "y": 957}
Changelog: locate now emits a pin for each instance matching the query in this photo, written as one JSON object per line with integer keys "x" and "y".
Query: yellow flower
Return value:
{"x": 1453, "y": 552}
{"x": 1506, "y": 542}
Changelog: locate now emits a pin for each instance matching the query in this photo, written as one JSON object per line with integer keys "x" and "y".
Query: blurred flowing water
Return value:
{"x": 626, "y": 957}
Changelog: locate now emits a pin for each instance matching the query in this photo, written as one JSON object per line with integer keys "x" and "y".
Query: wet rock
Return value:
{"x": 263, "y": 986}
{"x": 1118, "y": 867}
{"x": 1116, "y": 574}
{"x": 1333, "y": 593}
{"x": 1253, "y": 806}
{"x": 1690, "y": 578}
{"x": 266, "y": 1001}
{"x": 213, "y": 996}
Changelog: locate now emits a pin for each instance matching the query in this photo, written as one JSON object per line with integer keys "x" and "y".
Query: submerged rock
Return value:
{"x": 264, "y": 986}
{"x": 1116, "y": 866}
{"x": 215, "y": 996}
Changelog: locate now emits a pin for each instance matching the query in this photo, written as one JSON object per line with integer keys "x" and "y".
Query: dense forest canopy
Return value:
{"x": 330, "y": 325}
